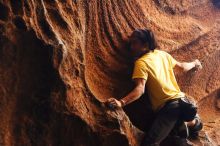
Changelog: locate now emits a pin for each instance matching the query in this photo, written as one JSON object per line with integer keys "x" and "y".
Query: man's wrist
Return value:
{"x": 194, "y": 63}
{"x": 122, "y": 102}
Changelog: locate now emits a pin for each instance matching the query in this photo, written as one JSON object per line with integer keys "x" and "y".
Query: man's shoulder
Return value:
{"x": 162, "y": 51}
{"x": 140, "y": 61}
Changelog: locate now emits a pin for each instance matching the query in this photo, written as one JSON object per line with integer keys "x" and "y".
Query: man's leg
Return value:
{"x": 163, "y": 124}
{"x": 195, "y": 126}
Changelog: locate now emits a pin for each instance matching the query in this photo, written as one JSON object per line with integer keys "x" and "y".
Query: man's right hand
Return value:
{"x": 187, "y": 66}
{"x": 198, "y": 64}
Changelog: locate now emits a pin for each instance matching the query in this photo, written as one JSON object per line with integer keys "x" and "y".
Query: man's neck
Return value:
{"x": 146, "y": 52}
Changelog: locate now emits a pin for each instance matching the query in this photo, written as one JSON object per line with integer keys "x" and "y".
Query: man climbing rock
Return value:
{"x": 153, "y": 73}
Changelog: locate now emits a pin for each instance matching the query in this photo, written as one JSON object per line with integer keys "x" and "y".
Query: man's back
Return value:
{"x": 157, "y": 68}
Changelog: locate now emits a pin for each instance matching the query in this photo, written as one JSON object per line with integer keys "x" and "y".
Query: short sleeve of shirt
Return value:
{"x": 140, "y": 70}
{"x": 171, "y": 60}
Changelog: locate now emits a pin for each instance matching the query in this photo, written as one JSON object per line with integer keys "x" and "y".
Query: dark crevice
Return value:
{"x": 216, "y": 3}
{"x": 34, "y": 111}
{"x": 36, "y": 122}
{"x": 56, "y": 17}
{"x": 4, "y": 12}
{"x": 2, "y": 28}
{"x": 19, "y": 23}
{"x": 7, "y": 52}
{"x": 16, "y": 6}
{"x": 27, "y": 8}
{"x": 140, "y": 113}
{"x": 75, "y": 132}
{"x": 45, "y": 27}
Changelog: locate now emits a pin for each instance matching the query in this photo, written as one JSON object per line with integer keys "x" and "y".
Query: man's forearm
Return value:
{"x": 132, "y": 96}
{"x": 187, "y": 65}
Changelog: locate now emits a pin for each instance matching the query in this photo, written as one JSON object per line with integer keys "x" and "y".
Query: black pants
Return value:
{"x": 167, "y": 118}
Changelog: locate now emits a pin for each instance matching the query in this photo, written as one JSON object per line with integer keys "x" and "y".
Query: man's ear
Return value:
{"x": 147, "y": 46}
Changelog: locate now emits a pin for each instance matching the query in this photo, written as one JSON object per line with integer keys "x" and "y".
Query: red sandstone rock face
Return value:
{"x": 60, "y": 59}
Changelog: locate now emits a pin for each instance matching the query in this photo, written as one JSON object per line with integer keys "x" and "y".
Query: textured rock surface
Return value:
{"x": 60, "y": 59}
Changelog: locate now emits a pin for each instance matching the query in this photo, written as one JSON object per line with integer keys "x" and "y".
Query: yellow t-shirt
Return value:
{"x": 157, "y": 68}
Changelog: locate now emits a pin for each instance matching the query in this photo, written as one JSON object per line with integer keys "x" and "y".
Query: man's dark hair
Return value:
{"x": 146, "y": 37}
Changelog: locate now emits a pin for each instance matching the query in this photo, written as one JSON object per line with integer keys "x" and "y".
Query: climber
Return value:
{"x": 153, "y": 70}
